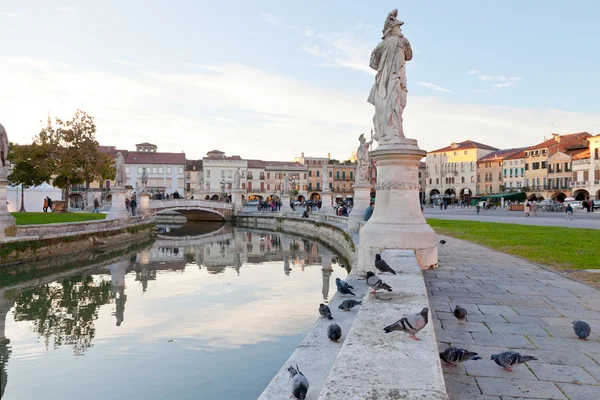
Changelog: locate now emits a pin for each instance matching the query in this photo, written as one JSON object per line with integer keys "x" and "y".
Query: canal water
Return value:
{"x": 202, "y": 312}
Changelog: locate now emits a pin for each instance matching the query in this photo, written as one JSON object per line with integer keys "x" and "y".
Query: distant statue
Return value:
{"x": 4, "y": 147}
{"x": 199, "y": 180}
{"x": 144, "y": 179}
{"x": 121, "y": 171}
{"x": 325, "y": 176}
{"x": 237, "y": 179}
{"x": 362, "y": 156}
{"x": 389, "y": 92}
{"x": 286, "y": 184}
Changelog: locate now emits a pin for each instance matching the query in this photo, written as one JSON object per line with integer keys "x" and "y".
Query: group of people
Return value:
{"x": 273, "y": 205}
{"x": 342, "y": 210}
{"x": 167, "y": 196}
{"x": 47, "y": 204}
{"x": 131, "y": 205}
{"x": 530, "y": 209}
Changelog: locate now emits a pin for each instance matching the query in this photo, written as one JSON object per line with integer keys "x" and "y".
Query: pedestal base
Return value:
{"x": 144, "y": 204}
{"x": 118, "y": 210}
{"x": 236, "y": 199}
{"x": 285, "y": 204}
{"x": 397, "y": 222}
{"x": 6, "y": 219}
{"x": 362, "y": 199}
{"x": 326, "y": 199}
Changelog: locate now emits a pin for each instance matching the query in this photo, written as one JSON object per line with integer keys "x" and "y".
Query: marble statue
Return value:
{"x": 286, "y": 184}
{"x": 121, "y": 171}
{"x": 237, "y": 179}
{"x": 389, "y": 92}
{"x": 144, "y": 178}
{"x": 362, "y": 163}
{"x": 325, "y": 176}
{"x": 199, "y": 180}
{"x": 4, "y": 147}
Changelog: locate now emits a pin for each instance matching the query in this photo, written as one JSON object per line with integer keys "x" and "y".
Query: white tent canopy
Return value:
{"x": 34, "y": 197}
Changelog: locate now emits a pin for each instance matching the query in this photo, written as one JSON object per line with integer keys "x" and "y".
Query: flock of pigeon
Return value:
{"x": 507, "y": 359}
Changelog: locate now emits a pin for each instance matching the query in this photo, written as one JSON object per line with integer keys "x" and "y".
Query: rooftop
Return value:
{"x": 135, "y": 157}
{"x": 146, "y": 144}
{"x": 501, "y": 154}
{"x": 467, "y": 144}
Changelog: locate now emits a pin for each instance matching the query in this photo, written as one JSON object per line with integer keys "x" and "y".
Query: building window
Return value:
{"x": 434, "y": 155}
{"x": 127, "y": 170}
{"x": 462, "y": 167}
{"x": 223, "y": 173}
{"x": 207, "y": 172}
{"x": 309, "y": 185}
{"x": 268, "y": 187}
{"x": 526, "y": 167}
{"x": 472, "y": 179}
{"x": 229, "y": 174}
{"x": 535, "y": 165}
{"x": 161, "y": 170}
{"x": 437, "y": 181}
{"x": 456, "y": 153}
{"x": 309, "y": 174}
{"x": 318, "y": 174}
{"x": 351, "y": 175}
{"x": 140, "y": 170}
{"x": 430, "y": 181}
{"x": 169, "y": 171}
{"x": 543, "y": 164}
{"x": 462, "y": 179}
{"x": 180, "y": 170}
{"x": 465, "y": 152}
{"x": 268, "y": 175}
{"x": 318, "y": 185}
{"x": 154, "y": 170}
{"x": 343, "y": 174}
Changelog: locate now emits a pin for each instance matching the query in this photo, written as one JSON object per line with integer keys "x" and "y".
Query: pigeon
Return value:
{"x": 325, "y": 311}
{"x": 334, "y": 332}
{"x": 376, "y": 283}
{"x": 442, "y": 241}
{"x": 510, "y": 359}
{"x": 455, "y": 355}
{"x": 582, "y": 329}
{"x": 410, "y": 324}
{"x": 460, "y": 314}
{"x": 343, "y": 288}
{"x": 349, "y": 304}
{"x": 299, "y": 383}
{"x": 382, "y": 266}
{"x": 341, "y": 282}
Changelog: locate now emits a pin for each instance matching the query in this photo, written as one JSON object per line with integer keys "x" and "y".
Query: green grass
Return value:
{"x": 35, "y": 218}
{"x": 564, "y": 248}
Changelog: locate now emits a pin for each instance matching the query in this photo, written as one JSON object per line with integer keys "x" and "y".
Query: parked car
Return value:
{"x": 596, "y": 204}
{"x": 252, "y": 203}
{"x": 576, "y": 205}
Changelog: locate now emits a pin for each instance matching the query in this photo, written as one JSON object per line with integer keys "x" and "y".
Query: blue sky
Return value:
{"x": 269, "y": 79}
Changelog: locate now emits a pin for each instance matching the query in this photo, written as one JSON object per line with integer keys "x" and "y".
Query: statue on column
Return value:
{"x": 286, "y": 184}
{"x": 199, "y": 180}
{"x": 144, "y": 179}
{"x": 237, "y": 179}
{"x": 362, "y": 163}
{"x": 389, "y": 92}
{"x": 325, "y": 176}
{"x": 121, "y": 171}
{"x": 4, "y": 145}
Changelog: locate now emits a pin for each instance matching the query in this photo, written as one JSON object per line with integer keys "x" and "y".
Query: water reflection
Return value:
{"x": 200, "y": 301}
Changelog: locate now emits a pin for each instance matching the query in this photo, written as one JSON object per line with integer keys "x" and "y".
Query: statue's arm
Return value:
{"x": 375, "y": 57}
{"x": 408, "y": 53}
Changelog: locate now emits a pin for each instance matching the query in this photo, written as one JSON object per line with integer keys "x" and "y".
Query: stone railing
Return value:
{"x": 185, "y": 203}
{"x": 67, "y": 228}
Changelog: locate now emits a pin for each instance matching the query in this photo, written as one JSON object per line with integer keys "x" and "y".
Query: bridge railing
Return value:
{"x": 178, "y": 203}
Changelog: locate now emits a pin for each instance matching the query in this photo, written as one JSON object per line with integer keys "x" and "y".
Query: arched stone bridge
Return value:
{"x": 222, "y": 234}
{"x": 195, "y": 210}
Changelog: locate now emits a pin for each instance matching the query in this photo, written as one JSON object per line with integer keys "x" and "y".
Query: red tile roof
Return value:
{"x": 569, "y": 138}
{"x": 581, "y": 154}
{"x": 146, "y": 144}
{"x": 501, "y": 154}
{"x": 516, "y": 156}
{"x": 467, "y": 144}
{"x": 134, "y": 157}
{"x": 256, "y": 163}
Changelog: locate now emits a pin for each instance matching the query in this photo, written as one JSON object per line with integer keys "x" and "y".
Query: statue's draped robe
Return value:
{"x": 362, "y": 167}
{"x": 389, "y": 92}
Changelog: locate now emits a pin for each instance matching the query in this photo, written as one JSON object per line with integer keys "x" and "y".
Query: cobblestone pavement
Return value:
{"x": 514, "y": 304}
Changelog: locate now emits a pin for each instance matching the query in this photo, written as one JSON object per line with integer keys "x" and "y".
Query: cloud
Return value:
{"x": 12, "y": 14}
{"x": 433, "y": 87}
{"x": 505, "y": 84}
{"x": 343, "y": 50}
{"x": 64, "y": 9}
{"x": 482, "y": 91}
{"x": 270, "y": 19}
{"x": 473, "y": 72}
{"x": 308, "y": 31}
{"x": 498, "y": 78}
{"x": 128, "y": 63}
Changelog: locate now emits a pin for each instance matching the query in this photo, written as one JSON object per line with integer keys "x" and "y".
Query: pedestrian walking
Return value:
{"x": 534, "y": 209}
{"x": 527, "y": 209}
{"x": 96, "y": 206}
{"x": 569, "y": 211}
{"x": 133, "y": 205}
{"x": 45, "y": 207}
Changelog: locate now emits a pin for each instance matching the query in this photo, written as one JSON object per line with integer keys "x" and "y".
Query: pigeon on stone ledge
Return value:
{"x": 382, "y": 266}
{"x": 455, "y": 355}
{"x": 442, "y": 241}
{"x": 325, "y": 311}
{"x": 375, "y": 283}
{"x": 460, "y": 314}
{"x": 582, "y": 329}
{"x": 334, "y": 332}
{"x": 299, "y": 383}
{"x": 349, "y": 304}
{"x": 341, "y": 282}
{"x": 510, "y": 359}
{"x": 343, "y": 290}
{"x": 410, "y": 324}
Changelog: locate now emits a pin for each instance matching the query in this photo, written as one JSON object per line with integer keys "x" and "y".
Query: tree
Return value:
{"x": 31, "y": 167}
{"x": 74, "y": 152}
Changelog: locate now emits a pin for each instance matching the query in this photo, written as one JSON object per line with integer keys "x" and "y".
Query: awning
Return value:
{"x": 349, "y": 196}
{"x": 506, "y": 196}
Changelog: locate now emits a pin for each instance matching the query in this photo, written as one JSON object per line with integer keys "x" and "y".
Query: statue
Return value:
{"x": 286, "y": 184}
{"x": 144, "y": 179}
{"x": 4, "y": 147}
{"x": 325, "y": 176}
{"x": 362, "y": 163}
{"x": 237, "y": 179}
{"x": 121, "y": 172}
{"x": 389, "y": 92}
{"x": 199, "y": 180}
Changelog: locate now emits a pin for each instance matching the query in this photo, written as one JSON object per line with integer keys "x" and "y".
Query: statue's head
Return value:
{"x": 119, "y": 154}
{"x": 392, "y": 25}
{"x": 361, "y": 138}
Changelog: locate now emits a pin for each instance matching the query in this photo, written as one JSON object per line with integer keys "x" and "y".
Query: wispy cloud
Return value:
{"x": 128, "y": 63}
{"x": 505, "y": 84}
{"x": 433, "y": 87}
{"x": 308, "y": 31}
{"x": 482, "y": 91}
{"x": 473, "y": 72}
{"x": 64, "y": 9}
{"x": 498, "y": 78}
{"x": 270, "y": 19}
{"x": 12, "y": 14}
{"x": 342, "y": 50}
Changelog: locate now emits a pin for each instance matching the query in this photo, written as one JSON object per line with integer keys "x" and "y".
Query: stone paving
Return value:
{"x": 517, "y": 305}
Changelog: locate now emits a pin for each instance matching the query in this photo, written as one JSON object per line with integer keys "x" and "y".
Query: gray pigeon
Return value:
{"x": 442, "y": 241}
{"x": 375, "y": 283}
{"x": 299, "y": 383}
{"x": 334, "y": 332}
{"x": 510, "y": 359}
{"x": 582, "y": 329}
{"x": 349, "y": 304}
{"x": 455, "y": 355}
{"x": 341, "y": 282}
{"x": 382, "y": 266}
{"x": 325, "y": 311}
{"x": 460, "y": 314}
{"x": 343, "y": 290}
{"x": 410, "y": 324}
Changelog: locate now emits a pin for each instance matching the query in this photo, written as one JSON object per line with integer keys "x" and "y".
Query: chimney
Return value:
{"x": 329, "y": 156}
{"x": 556, "y": 137}
{"x": 302, "y": 154}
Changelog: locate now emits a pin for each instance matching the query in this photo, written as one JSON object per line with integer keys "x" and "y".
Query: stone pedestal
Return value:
{"x": 236, "y": 199}
{"x": 397, "y": 222}
{"x": 118, "y": 210}
{"x": 144, "y": 204}
{"x": 6, "y": 219}
{"x": 285, "y": 204}
{"x": 326, "y": 200}
{"x": 362, "y": 199}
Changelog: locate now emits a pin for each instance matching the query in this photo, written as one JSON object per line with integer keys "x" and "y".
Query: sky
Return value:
{"x": 272, "y": 79}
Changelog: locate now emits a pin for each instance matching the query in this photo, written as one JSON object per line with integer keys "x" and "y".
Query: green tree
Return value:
{"x": 74, "y": 152}
{"x": 31, "y": 167}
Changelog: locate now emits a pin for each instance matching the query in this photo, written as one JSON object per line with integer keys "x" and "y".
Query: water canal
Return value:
{"x": 202, "y": 312}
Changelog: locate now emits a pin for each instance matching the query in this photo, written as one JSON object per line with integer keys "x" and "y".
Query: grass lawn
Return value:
{"x": 558, "y": 247}
{"x": 35, "y": 218}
